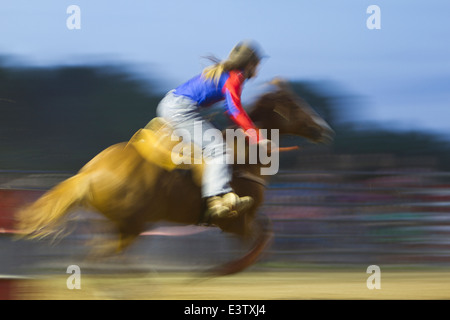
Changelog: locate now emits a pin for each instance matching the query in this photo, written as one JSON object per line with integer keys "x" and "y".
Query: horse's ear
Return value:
{"x": 280, "y": 83}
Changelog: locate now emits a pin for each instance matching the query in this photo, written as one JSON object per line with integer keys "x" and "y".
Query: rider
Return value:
{"x": 180, "y": 107}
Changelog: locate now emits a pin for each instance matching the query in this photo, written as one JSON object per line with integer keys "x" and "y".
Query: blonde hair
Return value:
{"x": 214, "y": 72}
{"x": 241, "y": 56}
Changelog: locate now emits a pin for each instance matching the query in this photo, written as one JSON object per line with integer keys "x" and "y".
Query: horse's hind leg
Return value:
{"x": 129, "y": 230}
{"x": 116, "y": 239}
{"x": 126, "y": 238}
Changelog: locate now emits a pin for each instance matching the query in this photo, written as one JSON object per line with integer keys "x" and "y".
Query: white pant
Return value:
{"x": 183, "y": 113}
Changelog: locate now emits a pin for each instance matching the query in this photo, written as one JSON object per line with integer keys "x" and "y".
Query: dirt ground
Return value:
{"x": 323, "y": 285}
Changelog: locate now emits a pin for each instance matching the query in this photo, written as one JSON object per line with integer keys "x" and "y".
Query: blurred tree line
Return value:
{"x": 59, "y": 118}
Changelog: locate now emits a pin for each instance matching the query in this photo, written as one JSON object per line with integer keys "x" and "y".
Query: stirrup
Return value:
{"x": 228, "y": 206}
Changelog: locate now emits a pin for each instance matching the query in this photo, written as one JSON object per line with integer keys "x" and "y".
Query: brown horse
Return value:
{"x": 132, "y": 192}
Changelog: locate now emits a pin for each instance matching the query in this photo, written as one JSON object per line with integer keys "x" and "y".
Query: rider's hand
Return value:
{"x": 255, "y": 136}
{"x": 268, "y": 145}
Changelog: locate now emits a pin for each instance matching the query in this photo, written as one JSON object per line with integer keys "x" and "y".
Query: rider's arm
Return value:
{"x": 232, "y": 91}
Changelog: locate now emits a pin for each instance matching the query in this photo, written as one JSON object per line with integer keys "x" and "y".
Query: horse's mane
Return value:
{"x": 275, "y": 91}
{"x": 275, "y": 95}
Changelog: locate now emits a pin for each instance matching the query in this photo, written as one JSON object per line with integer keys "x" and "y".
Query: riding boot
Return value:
{"x": 228, "y": 206}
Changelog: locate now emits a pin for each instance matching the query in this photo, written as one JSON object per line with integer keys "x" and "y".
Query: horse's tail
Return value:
{"x": 48, "y": 215}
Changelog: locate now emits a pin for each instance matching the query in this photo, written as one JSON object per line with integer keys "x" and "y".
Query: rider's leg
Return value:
{"x": 183, "y": 114}
{"x": 222, "y": 202}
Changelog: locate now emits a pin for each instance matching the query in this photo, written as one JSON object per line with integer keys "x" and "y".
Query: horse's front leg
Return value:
{"x": 256, "y": 234}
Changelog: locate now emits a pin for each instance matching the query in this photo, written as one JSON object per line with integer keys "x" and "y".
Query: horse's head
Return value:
{"x": 283, "y": 110}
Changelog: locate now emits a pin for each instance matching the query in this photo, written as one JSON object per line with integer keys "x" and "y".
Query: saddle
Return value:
{"x": 158, "y": 144}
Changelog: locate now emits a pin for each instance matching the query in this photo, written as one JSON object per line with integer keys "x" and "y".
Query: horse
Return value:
{"x": 133, "y": 193}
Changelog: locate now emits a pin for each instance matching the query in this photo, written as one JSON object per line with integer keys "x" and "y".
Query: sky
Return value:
{"x": 400, "y": 72}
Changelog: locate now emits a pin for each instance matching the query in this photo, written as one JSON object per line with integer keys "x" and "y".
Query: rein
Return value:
{"x": 285, "y": 149}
